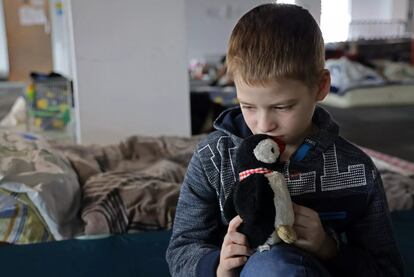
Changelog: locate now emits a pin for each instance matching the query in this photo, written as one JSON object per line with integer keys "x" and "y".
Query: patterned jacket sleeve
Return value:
{"x": 371, "y": 249}
{"x": 195, "y": 231}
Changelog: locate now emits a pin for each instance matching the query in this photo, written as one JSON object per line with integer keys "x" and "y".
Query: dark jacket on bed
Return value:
{"x": 334, "y": 178}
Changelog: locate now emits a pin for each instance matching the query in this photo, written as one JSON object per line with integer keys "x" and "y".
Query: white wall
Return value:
{"x": 130, "y": 68}
{"x": 4, "y": 56}
{"x": 379, "y": 9}
{"x": 400, "y": 9}
{"x": 390, "y": 16}
{"x": 209, "y": 24}
{"x": 369, "y": 9}
{"x": 60, "y": 37}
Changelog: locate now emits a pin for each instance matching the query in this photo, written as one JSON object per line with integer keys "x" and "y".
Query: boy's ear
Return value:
{"x": 324, "y": 85}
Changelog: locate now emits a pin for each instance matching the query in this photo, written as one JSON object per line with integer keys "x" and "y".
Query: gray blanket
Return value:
{"x": 132, "y": 186}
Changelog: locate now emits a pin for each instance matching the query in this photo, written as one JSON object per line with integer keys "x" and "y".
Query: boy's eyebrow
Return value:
{"x": 285, "y": 102}
{"x": 243, "y": 102}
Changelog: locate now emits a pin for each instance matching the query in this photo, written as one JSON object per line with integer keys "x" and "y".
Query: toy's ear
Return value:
{"x": 229, "y": 209}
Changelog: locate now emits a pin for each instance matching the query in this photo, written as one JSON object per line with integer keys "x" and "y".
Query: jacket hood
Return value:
{"x": 231, "y": 122}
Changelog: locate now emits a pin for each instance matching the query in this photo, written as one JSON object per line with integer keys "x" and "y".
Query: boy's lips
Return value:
{"x": 278, "y": 137}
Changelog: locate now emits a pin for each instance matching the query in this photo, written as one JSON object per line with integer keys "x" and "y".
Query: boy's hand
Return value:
{"x": 234, "y": 250}
{"x": 311, "y": 235}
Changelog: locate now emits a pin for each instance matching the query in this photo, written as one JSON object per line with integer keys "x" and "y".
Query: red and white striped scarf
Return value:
{"x": 259, "y": 170}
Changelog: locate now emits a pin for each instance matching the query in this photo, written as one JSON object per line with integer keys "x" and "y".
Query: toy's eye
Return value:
{"x": 266, "y": 151}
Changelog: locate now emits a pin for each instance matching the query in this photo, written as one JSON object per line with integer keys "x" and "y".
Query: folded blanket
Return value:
{"x": 131, "y": 186}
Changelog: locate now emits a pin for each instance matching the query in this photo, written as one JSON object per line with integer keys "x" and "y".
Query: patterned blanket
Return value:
{"x": 132, "y": 186}
{"x": 398, "y": 179}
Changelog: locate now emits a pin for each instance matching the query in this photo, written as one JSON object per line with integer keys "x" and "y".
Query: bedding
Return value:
{"x": 132, "y": 186}
{"x": 398, "y": 179}
{"x": 20, "y": 221}
{"x": 347, "y": 74}
{"x": 354, "y": 84}
{"x": 74, "y": 190}
{"x": 391, "y": 94}
{"x": 31, "y": 170}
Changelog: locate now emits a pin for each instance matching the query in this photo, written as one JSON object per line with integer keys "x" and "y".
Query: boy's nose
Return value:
{"x": 266, "y": 124}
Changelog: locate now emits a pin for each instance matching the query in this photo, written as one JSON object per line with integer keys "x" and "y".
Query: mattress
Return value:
{"x": 402, "y": 94}
{"x": 140, "y": 254}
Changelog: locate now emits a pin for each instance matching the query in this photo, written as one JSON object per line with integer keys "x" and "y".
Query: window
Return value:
{"x": 335, "y": 19}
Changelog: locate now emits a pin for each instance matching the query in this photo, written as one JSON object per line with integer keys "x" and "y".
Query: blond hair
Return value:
{"x": 276, "y": 41}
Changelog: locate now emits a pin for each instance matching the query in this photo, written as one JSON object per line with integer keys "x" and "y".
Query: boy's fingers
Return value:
{"x": 301, "y": 232}
{"x": 234, "y": 223}
{"x": 298, "y": 208}
{"x": 231, "y": 263}
{"x": 235, "y": 250}
{"x": 238, "y": 238}
{"x": 301, "y": 221}
{"x": 302, "y": 210}
{"x": 302, "y": 243}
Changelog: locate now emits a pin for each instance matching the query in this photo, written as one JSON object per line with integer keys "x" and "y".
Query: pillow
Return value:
{"x": 30, "y": 167}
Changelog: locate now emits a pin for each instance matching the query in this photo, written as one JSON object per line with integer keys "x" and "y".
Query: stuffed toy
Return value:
{"x": 261, "y": 197}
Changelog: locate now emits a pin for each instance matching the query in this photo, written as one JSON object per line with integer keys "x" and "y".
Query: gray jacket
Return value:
{"x": 332, "y": 176}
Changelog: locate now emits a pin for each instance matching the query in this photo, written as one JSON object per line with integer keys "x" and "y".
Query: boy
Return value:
{"x": 276, "y": 58}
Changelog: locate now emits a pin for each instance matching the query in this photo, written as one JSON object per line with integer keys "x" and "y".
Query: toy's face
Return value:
{"x": 267, "y": 151}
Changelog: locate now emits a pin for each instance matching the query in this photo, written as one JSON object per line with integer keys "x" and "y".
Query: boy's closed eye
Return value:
{"x": 247, "y": 107}
{"x": 283, "y": 108}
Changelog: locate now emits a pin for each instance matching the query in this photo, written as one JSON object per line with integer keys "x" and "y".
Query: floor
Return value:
{"x": 388, "y": 129}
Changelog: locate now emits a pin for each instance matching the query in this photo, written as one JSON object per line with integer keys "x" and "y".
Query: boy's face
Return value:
{"x": 281, "y": 109}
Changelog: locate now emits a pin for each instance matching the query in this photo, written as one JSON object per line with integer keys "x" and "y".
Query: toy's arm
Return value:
{"x": 285, "y": 216}
{"x": 283, "y": 203}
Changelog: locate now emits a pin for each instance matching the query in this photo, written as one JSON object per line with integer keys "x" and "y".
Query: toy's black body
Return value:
{"x": 252, "y": 198}
{"x": 257, "y": 211}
